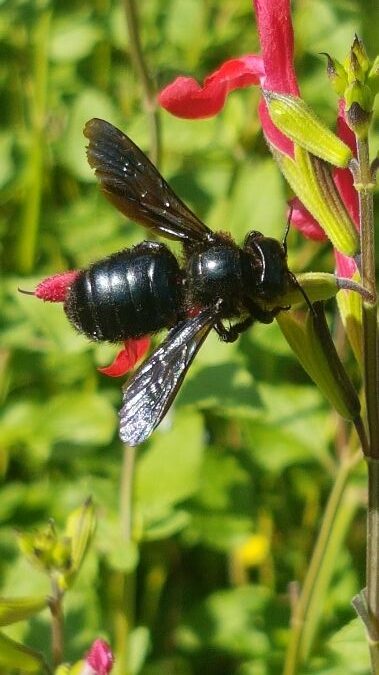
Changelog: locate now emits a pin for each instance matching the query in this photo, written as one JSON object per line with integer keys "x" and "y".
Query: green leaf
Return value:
{"x": 175, "y": 665}
{"x": 248, "y": 206}
{"x": 80, "y": 34}
{"x": 290, "y": 429}
{"x": 72, "y": 149}
{"x": 228, "y": 387}
{"x": 139, "y": 646}
{"x": 167, "y": 525}
{"x": 222, "y": 508}
{"x": 169, "y": 470}
{"x": 14, "y": 655}
{"x": 350, "y": 647}
{"x": 121, "y": 556}
{"x": 228, "y": 621}
{"x": 79, "y": 529}
{"x": 80, "y": 417}
{"x": 18, "y": 609}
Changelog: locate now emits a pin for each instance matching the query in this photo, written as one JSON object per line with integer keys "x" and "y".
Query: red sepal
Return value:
{"x": 186, "y": 98}
{"x": 54, "y": 289}
{"x": 127, "y": 358}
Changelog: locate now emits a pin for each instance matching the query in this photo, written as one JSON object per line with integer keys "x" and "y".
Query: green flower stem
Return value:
{"x": 147, "y": 83}
{"x": 363, "y": 184}
{"x": 126, "y": 495}
{"x": 33, "y": 181}
{"x": 57, "y": 622}
{"x": 339, "y": 511}
{"x": 124, "y": 584}
{"x": 372, "y": 562}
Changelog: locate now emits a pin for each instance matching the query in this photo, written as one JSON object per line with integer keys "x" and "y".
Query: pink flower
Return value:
{"x": 274, "y": 70}
{"x": 99, "y": 660}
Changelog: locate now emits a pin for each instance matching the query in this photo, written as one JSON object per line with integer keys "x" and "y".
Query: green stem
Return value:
{"x": 57, "y": 623}
{"x": 149, "y": 97}
{"x": 126, "y": 495}
{"x": 363, "y": 184}
{"x": 372, "y": 562}
{"x": 33, "y": 183}
{"x": 123, "y": 584}
{"x": 309, "y": 606}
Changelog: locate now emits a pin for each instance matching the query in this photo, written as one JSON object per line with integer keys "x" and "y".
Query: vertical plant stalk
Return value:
{"x": 126, "y": 496}
{"x": 123, "y": 584}
{"x": 372, "y": 562}
{"x": 57, "y": 623}
{"x": 33, "y": 181}
{"x": 364, "y": 186}
{"x": 309, "y": 606}
{"x": 149, "y": 98}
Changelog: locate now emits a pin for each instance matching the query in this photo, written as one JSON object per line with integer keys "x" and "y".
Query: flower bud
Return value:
{"x": 293, "y": 117}
{"x": 79, "y": 530}
{"x": 359, "y": 103}
{"x": 39, "y": 546}
{"x": 337, "y": 74}
{"x": 353, "y": 68}
{"x": 359, "y": 51}
{"x": 373, "y": 76}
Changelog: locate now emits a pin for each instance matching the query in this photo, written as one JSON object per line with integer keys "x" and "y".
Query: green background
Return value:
{"x": 250, "y": 447}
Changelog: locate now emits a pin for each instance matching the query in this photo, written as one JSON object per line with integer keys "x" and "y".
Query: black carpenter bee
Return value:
{"x": 141, "y": 290}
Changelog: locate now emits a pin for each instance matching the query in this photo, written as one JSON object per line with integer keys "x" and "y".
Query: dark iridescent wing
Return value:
{"x": 153, "y": 387}
{"x": 132, "y": 183}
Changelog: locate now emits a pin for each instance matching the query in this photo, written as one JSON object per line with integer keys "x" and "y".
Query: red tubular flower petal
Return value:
{"x": 277, "y": 45}
{"x": 186, "y": 98}
{"x": 54, "y": 289}
{"x": 100, "y": 658}
{"x": 343, "y": 177}
{"x": 345, "y": 266}
{"x": 273, "y": 135}
{"x": 303, "y": 221}
{"x": 127, "y": 358}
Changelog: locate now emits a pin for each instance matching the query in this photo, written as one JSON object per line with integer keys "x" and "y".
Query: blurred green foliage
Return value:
{"x": 250, "y": 447}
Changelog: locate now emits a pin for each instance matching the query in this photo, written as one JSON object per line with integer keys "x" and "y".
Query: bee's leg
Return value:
{"x": 263, "y": 315}
{"x": 231, "y": 334}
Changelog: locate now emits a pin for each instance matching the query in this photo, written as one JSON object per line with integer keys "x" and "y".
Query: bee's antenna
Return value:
{"x": 284, "y": 242}
{"x": 303, "y": 293}
{"x": 22, "y": 290}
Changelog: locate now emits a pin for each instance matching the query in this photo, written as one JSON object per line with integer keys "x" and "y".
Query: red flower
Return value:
{"x": 274, "y": 70}
{"x": 127, "y": 358}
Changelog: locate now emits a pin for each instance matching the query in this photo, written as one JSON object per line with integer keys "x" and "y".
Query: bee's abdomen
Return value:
{"x": 129, "y": 294}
